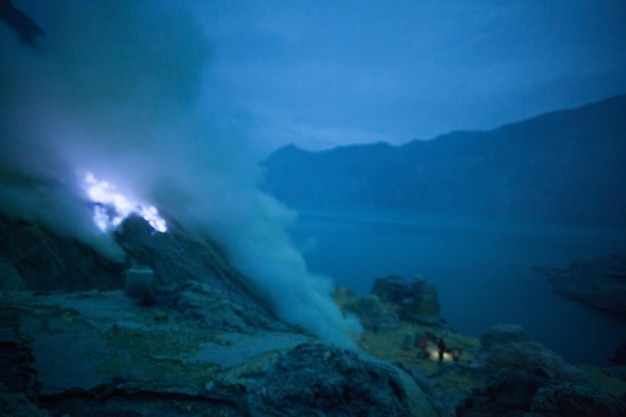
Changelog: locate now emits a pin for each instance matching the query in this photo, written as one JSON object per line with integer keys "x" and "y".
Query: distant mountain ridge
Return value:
{"x": 567, "y": 165}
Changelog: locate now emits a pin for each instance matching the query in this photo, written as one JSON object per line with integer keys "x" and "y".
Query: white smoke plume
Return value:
{"x": 122, "y": 89}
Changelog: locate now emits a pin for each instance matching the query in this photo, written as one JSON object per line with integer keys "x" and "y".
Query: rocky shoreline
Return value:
{"x": 599, "y": 282}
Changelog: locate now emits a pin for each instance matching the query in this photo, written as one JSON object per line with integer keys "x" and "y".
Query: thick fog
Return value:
{"x": 123, "y": 90}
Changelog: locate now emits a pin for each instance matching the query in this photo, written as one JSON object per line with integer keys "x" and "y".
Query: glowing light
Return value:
{"x": 433, "y": 354}
{"x": 110, "y": 207}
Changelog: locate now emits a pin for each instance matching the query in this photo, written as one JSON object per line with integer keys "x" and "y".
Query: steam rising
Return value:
{"x": 122, "y": 89}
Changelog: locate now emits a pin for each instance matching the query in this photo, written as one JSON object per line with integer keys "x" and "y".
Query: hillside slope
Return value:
{"x": 568, "y": 165}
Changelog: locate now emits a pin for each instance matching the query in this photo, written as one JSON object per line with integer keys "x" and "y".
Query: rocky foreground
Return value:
{"x": 199, "y": 344}
{"x": 191, "y": 353}
{"x": 194, "y": 353}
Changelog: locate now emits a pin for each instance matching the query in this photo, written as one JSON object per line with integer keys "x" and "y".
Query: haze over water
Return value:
{"x": 482, "y": 269}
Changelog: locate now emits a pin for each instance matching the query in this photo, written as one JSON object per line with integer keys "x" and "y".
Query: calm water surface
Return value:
{"x": 482, "y": 269}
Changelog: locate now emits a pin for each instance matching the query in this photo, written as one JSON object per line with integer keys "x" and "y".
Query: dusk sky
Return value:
{"x": 322, "y": 73}
{"x": 325, "y": 73}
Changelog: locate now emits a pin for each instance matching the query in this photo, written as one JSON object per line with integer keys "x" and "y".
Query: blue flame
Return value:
{"x": 110, "y": 207}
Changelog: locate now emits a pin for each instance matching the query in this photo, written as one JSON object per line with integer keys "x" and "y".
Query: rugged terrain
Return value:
{"x": 200, "y": 344}
{"x": 176, "y": 329}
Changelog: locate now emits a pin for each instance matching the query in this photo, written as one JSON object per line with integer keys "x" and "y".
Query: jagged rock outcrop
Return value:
{"x": 507, "y": 347}
{"x": 509, "y": 394}
{"x": 532, "y": 393}
{"x": 35, "y": 258}
{"x": 181, "y": 255}
{"x": 391, "y": 301}
{"x": 336, "y": 382}
{"x": 573, "y": 400}
{"x": 599, "y": 282}
{"x": 526, "y": 379}
{"x": 417, "y": 299}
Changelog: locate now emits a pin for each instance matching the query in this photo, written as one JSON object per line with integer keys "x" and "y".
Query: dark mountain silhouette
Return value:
{"x": 568, "y": 165}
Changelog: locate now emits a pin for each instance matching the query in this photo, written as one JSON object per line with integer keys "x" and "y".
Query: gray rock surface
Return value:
{"x": 506, "y": 347}
{"x": 508, "y": 394}
{"x": 100, "y": 352}
{"x": 524, "y": 379}
{"x": 576, "y": 400}
{"x": 317, "y": 380}
{"x": 417, "y": 299}
{"x": 35, "y": 258}
{"x": 531, "y": 392}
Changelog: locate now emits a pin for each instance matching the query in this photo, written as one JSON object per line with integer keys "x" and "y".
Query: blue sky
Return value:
{"x": 326, "y": 73}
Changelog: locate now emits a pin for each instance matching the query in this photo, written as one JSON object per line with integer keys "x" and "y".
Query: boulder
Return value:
{"x": 391, "y": 289}
{"x": 416, "y": 300}
{"x": 577, "y": 400}
{"x": 506, "y": 347}
{"x": 508, "y": 394}
{"x": 531, "y": 392}
{"x": 320, "y": 380}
